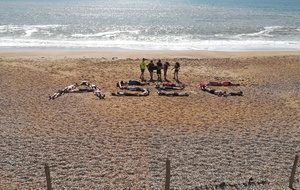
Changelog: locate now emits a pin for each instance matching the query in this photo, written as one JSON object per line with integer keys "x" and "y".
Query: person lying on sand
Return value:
{"x": 80, "y": 90}
{"x": 145, "y": 92}
{"x": 57, "y": 94}
{"x": 69, "y": 90}
{"x": 240, "y": 93}
{"x": 169, "y": 87}
{"x": 134, "y": 88}
{"x": 71, "y": 87}
{"x": 63, "y": 91}
{"x": 85, "y": 83}
{"x": 213, "y": 91}
{"x": 168, "y": 93}
{"x": 98, "y": 93}
{"x": 173, "y": 84}
{"x": 92, "y": 86}
{"x": 220, "y": 92}
{"x": 123, "y": 85}
{"x": 222, "y": 84}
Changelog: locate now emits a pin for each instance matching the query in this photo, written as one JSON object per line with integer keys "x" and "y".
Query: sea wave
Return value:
{"x": 27, "y": 30}
{"x": 108, "y": 33}
{"x": 147, "y": 38}
{"x": 210, "y": 45}
{"x": 272, "y": 31}
{"x": 25, "y": 27}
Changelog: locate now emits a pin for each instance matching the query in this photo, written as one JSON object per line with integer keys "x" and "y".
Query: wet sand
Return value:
{"x": 123, "y": 142}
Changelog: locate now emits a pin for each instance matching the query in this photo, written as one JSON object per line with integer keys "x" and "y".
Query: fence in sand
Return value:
{"x": 222, "y": 185}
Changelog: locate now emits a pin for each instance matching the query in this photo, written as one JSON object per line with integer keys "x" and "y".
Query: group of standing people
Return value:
{"x": 158, "y": 67}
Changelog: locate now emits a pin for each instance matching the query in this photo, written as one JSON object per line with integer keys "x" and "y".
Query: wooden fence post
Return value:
{"x": 168, "y": 174}
{"x": 292, "y": 178}
{"x": 47, "y": 171}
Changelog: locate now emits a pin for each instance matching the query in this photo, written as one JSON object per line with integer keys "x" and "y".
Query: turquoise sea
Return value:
{"x": 230, "y": 25}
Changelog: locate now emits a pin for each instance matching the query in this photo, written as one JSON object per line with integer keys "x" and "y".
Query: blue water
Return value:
{"x": 150, "y": 24}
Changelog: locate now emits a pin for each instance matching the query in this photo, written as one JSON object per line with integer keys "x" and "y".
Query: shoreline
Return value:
{"x": 139, "y": 54}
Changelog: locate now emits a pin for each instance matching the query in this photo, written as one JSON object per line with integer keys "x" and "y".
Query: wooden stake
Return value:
{"x": 292, "y": 178}
{"x": 168, "y": 174}
{"x": 47, "y": 171}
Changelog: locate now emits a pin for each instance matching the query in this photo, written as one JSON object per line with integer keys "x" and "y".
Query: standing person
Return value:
{"x": 150, "y": 67}
{"x": 158, "y": 72}
{"x": 142, "y": 67}
{"x": 176, "y": 70}
{"x": 166, "y": 66}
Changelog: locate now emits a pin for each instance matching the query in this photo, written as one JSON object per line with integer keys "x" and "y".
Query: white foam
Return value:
{"x": 269, "y": 31}
{"x": 28, "y": 29}
{"x": 211, "y": 45}
{"x": 110, "y": 33}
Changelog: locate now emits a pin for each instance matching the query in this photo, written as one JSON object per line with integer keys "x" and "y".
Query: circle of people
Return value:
{"x": 137, "y": 88}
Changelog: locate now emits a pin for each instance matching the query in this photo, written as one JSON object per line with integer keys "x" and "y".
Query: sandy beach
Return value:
{"x": 123, "y": 142}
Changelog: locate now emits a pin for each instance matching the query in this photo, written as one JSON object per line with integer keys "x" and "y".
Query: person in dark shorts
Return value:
{"x": 159, "y": 68}
{"x": 165, "y": 68}
{"x": 150, "y": 67}
{"x": 176, "y": 71}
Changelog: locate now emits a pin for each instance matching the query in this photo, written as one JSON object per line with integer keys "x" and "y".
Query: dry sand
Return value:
{"x": 123, "y": 142}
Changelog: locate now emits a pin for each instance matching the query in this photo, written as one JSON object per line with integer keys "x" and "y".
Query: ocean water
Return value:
{"x": 225, "y": 25}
